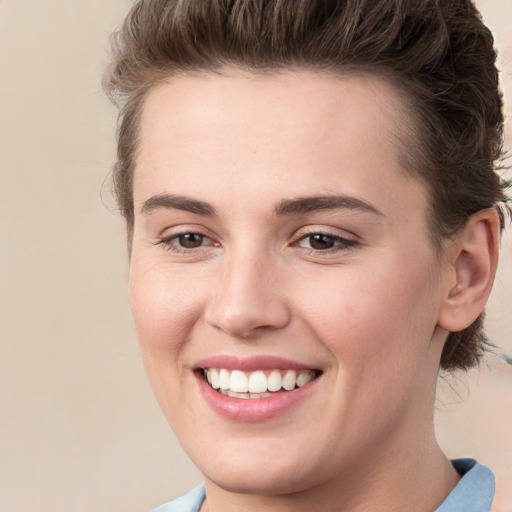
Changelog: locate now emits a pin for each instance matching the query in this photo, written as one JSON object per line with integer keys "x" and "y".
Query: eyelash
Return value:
{"x": 168, "y": 242}
{"x": 340, "y": 243}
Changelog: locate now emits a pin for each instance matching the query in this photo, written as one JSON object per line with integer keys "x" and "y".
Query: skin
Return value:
{"x": 371, "y": 312}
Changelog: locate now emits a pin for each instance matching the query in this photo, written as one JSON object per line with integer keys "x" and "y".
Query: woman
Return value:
{"x": 313, "y": 219}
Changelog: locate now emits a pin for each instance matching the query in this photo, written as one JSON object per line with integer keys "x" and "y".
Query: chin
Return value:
{"x": 264, "y": 471}
{"x": 263, "y": 481}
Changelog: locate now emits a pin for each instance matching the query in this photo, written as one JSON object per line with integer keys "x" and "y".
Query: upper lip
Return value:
{"x": 253, "y": 363}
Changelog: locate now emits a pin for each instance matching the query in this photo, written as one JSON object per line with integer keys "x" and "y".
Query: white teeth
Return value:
{"x": 256, "y": 384}
{"x": 224, "y": 379}
{"x": 289, "y": 380}
{"x": 304, "y": 377}
{"x": 274, "y": 381}
{"x": 238, "y": 382}
{"x": 213, "y": 378}
{"x": 234, "y": 394}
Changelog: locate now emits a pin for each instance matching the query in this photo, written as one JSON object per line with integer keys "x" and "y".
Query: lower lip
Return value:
{"x": 255, "y": 409}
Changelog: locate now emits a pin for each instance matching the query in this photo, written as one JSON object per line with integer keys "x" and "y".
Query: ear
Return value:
{"x": 473, "y": 259}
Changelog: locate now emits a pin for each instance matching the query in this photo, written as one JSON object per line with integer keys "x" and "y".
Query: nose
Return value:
{"x": 249, "y": 298}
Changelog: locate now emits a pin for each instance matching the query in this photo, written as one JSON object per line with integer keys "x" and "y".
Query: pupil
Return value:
{"x": 190, "y": 240}
{"x": 321, "y": 242}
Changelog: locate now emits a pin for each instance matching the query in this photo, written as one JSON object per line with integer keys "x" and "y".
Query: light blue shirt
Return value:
{"x": 474, "y": 492}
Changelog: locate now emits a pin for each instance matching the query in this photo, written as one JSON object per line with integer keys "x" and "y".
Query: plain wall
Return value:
{"x": 79, "y": 427}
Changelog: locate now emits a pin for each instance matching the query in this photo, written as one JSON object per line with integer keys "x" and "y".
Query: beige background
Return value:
{"x": 79, "y": 428}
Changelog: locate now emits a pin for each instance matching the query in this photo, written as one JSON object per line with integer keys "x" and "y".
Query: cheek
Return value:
{"x": 164, "y": 312}
{"x": 374, "y": 317}
{"x": 163, "y": 308}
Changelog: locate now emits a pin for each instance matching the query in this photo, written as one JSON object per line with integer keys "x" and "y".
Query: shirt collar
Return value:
{"x": 475, "y": 490}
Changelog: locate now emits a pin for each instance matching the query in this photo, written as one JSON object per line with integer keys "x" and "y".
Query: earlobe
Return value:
{"x": 474, "y": 257}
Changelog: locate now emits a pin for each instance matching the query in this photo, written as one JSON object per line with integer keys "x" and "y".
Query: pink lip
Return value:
{"x": 249, "y": 364}
{"x": 251, "y": 410}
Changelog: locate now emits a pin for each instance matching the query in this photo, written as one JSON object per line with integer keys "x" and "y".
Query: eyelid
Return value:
{"x": 173, "y": 233}
{"x": 343, "y": 234}
{"x": 345, "y": 243}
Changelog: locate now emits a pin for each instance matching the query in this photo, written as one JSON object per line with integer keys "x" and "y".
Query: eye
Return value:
{"x": 319, "y": 241}
{"x": 190, "y": 240}
{"x": 324, "y": 242}
{"x": 185, "y": 242}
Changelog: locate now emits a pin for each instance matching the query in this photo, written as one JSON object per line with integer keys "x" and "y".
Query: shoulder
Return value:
{"x": 475, "y": 490}
{"x": 189, "y": 502}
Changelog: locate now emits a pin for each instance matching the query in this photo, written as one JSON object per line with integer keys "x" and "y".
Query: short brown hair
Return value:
{"x": 439, "y": 53}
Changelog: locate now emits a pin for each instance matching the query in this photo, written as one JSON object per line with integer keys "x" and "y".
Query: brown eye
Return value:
{"x": 190, "y": 240}
{"x": 320, "y": 241}
{"x": 187, "y": 242}
{"x": 324, "y": 242}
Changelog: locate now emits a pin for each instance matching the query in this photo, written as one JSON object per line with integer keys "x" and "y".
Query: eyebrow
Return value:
{"x": 304, "y": 205}
{"x": 176, "y": 202}
{"x": 301, "y": 205}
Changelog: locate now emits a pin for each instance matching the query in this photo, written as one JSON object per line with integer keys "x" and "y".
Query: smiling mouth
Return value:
{"x": 256, "y": 384}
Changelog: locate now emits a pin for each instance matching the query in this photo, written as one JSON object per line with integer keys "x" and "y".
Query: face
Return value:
{"x": 283, "y": 285}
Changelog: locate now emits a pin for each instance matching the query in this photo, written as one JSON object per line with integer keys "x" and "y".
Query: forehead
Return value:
{"x": 298, "y": 129}
{"x": 313, "y": 106}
